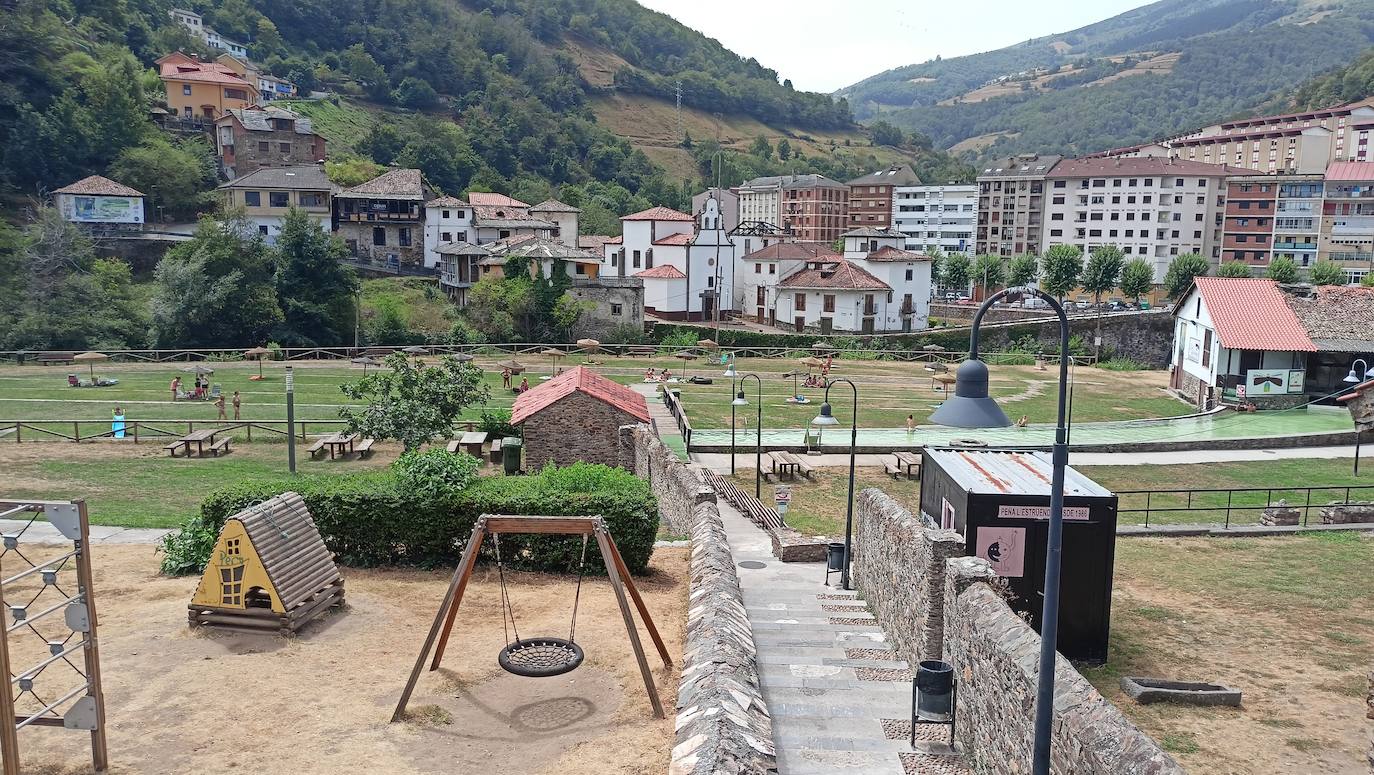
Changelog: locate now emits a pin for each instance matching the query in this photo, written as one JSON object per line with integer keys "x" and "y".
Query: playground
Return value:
{"x": 320, "y": 701}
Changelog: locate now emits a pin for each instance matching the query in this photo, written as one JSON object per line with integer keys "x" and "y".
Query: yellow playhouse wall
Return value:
{"x": 254, "y": 574}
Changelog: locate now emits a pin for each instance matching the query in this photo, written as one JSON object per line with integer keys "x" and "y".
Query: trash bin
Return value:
{"x": 834, "y": 556}
{"x": 510, "y": 455}
{"x": 935, "y": 681}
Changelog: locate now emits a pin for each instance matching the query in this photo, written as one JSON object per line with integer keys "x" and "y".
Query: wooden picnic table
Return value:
{"x": 472, "y": 443}
{"x": 340, "y": 444}
{"x": 909, "y": 461}
{"x": 785, "y": 464}
{"x": 198, "y": 438}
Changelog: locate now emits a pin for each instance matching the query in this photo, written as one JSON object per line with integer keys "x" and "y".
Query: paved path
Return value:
{"x": 40, "y": 532}
{"x": 840, "y": 700}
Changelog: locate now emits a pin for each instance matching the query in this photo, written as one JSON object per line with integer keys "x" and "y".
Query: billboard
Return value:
{"x": 103, "y": 209}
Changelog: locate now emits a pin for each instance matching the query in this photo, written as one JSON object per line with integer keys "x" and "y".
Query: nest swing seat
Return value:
{"x": 544, "y": 656}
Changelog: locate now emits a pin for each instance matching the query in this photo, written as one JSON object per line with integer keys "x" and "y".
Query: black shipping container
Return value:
{"x": 999, "y": 501}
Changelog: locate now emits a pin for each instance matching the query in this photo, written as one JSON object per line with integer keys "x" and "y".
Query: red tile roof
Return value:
{"x": 1350, "y": 170}
{"x": 480, "y": 198}
{"x": 95, "y": 185}
{"x": 579, "y": 380}
{"x": 1140, "y": 165}
{"x": 837, "y": 274}
{"x": 1252, "y": 314}
{"x": 664, "y": 272}
{"x": 207, "y": 72}
{"x": 657, "y": 214}
{"x": 793, "y": 251}
{"x": 889, "y": 253}
{"x": 684, "y": 238}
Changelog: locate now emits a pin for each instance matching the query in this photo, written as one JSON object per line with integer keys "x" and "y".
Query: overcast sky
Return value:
{"x": 826, "y": 45}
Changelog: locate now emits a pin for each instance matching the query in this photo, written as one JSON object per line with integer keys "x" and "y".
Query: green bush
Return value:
{"x": 435, "y": 473}
{"x": 496, "y": 422}
{"x": 377, "y": 518}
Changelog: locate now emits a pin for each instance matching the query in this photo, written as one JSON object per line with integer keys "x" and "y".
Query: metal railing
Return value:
{"x": 679, "y": 414}
{"x": 1228, "y": 505}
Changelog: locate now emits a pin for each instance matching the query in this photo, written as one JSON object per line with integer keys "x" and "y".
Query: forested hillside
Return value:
{"x": 1157, "y": 70}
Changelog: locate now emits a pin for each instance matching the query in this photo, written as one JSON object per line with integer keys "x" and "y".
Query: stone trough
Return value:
{"x": 1151, "y": 690}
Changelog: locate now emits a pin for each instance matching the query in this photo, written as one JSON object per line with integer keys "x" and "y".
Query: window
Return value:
{"x": 1243, "y": 205}
{"x": 186, "y": 90}
{"x": 1179, "y": 182}
{"x": 909, "y": 274}
{"x": 1111, "y": 233}
{"x": 638, "y": 259}
{"x": 378, "y": 235}
{"x": 827, "y": 303}
{"x": 799, "y": 302}
{"x": 772, "y": 269}
{"x": 262, "y": 229}
{"x": 1173, "y": 234}
{"x": 252, "y": 198}
{"x": 1060, "y": 183}
{"x": 1197, "y": 217}
{"x": 284, "y": 147}
{"x": 1197, "y": 235}
{"x": 579, "y": 269}
{"x": 1056, "y": 232}
{"x": 235, "y": 94}
{"x": 312, "y": 199}
{"x": 278, "y": 199}
{"x": 264, "y": 146}
{"x": 615, "y": 309}
{"x": 446, "y": 236}
{"x": 403, "y": 237}
{"x": 1094, "y": 232}
{"x": 758, "y": 268}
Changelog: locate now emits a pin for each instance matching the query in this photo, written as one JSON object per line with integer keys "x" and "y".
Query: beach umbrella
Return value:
{"x": 685, "y": 356}
{"x": 793, "y": 374}
{"x": 198, "y": 369}
{"x": 822, "y": 346}
{"x": 515, "y": 366}
{"x": 555, "y": 355}
{"x": 932, "y": 348}
{"x": 91, "y": 358}
{"x": 811, "y": 362}
{"x": 365, "y": 361}
{"x": 708, "y": 344}
{"x": 590, "y": 345}
{"x": 461, "y": 357}
{"x": 257, "y": 353}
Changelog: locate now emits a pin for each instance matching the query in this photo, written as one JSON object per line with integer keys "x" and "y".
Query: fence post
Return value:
{"x": 76, "y": 431}
{"x": 1307, "y": 507}
{"x": 1228, "y": 508}
{"x": 135, "y": 429}
{"x": 1147, "y": 508}
{"x": 18, "y": 432}
{"x": 250, "y": 432}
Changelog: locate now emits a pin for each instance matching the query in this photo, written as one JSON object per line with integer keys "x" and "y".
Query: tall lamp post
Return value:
{"x": 740, "y": 400}
{"x": 290, "y": 420}
{"x": 971, "y": 407}
{"x": 730, "y": 372}
{"x": 1351, "y": 379}
{"x": 827, "y": 417}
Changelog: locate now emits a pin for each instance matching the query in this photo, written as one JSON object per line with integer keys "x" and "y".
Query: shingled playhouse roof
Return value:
{"x": 1252, "y": 314}
{"x": 579, "y": 380}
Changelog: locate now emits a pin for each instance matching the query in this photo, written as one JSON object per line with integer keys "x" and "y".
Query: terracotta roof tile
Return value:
{"x": 594, "y": 242}
{"x": 1350, "y": 170}
{"x": 839, "y": 274}
{"x": 664, "y": 272}
{"x": 95, "y": 185}
{"x": 1252, "y": 314}
{"x": 657, "y": 214}
{"x": 446, "y": 201}
{"x": 494, "y": 200}
{"x": 684, "y": 238}
{"x": 889, "y": 253}
{"x": 396, "y": 184}
{"x": 554, "y": 206}
{"x": 793, "y": 251}
{"x": 579, "y": 380}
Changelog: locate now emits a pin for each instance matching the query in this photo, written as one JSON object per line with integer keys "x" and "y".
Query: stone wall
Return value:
{"x": 575, "y": 428}
{"x": 599, "y": 320}
{"x": 996, "y": 660}
{"x": 1337, "y": 513}
{"x": 723, "y": 726}
{"x": 899, "y": 568}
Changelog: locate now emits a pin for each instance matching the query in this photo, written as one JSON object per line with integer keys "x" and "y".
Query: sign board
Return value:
{"x": 1079, "y": 513}
{"x": 1296, "y": 378}
{"x": 782, "y": 497}
{"x": 1005, "y": 549}
{"x": 1266, "y": 382}
{"x": 103, "y": 209}
{"x": 1193, "y": 353}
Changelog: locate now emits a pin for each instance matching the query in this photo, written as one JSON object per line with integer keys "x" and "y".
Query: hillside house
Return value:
{"x": 448, "y": 219}
{"x": 564, "y": 217}
{"x": 269, "y": 86}
{"x": 248, "y": 139}
{"x": 832, "y": 295}
{"x": 459, "y": 269}
{"x": 381, "y": 221}
{"x": 498, "y": 217}
{"x": 267, "y": 194}
{"x": 99, "y": 204}
{"x": 202, "y": 91}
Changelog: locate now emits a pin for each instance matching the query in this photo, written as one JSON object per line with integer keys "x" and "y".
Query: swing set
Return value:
{"x": 539, "y": 656}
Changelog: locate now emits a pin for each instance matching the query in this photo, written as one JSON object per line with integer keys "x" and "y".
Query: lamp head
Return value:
{"x": 826, "y": 417}
{"x": 1351, "y": 378}
{"x": 970, "y": 406}
{"x": 730, "y": 371}
{"x": 740, "y": 400}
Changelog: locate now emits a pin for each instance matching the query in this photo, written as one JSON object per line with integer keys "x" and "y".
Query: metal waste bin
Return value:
{"x": 510, "y": 455}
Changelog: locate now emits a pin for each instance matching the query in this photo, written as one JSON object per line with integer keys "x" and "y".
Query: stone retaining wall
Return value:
{"x": 996, "y": 660}
{"x": 899, "y": 568}
{"x": 1346, "y": 513}
{"x": 723, "y": 726}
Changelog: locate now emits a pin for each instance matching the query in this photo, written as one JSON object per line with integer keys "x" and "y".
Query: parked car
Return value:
{"x": 951, "y": 297}
{"x": 1083, "y": 304}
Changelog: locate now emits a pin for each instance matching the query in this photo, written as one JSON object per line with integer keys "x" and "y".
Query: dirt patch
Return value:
{"x": 180, "y": 701}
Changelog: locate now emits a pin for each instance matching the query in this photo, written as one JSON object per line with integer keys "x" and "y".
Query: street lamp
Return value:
{"x": 730, "y": 372}
{"x": 1350, "y": 378}
{"x": 740, "y": 400}
{"x": 971, "y": 407}
{"x": 827, "y": 417}
{"x": 290, "y": 420}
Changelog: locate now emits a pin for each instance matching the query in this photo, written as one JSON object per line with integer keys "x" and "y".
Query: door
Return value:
{"x": 708, "y": 305}
{"x": 800, "y": 323}
{"x": 1176, "y": 379}
{"x": 827, "y": 324}
{"x": 867, "y": 326}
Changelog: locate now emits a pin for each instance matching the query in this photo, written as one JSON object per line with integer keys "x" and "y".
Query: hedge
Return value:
{"x": 367, "y": 519}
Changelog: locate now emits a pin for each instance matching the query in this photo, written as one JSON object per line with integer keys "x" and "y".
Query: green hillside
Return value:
{"x": 1161, "y": 69}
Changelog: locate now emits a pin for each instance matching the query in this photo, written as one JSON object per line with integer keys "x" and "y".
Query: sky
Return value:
{"x": 840, "y": 43}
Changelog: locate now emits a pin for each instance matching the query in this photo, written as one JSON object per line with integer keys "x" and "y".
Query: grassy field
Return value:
{"x": 819, "y": 507}
{"x": 1287, "y": 620}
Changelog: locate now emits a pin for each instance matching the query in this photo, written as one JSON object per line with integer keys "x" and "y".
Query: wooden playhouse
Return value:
{"x": 269, "y": 571}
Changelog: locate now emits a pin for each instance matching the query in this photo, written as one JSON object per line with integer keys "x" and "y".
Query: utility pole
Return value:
{"x": 677, "y": 92}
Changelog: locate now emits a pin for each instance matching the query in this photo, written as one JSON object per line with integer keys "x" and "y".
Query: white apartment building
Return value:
{"x": 941, "y": 217}
{"x": 1149, "y": 207}
{"x": 448, "y": 220}
{"x": 760, "y": 199}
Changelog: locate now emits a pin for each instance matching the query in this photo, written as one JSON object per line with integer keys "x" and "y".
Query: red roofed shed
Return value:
{"x": 576, "y": 416}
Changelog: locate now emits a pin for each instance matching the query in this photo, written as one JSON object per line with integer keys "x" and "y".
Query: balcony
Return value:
{"x": 376, "y": 217}
{"x": 1304, "y": 246}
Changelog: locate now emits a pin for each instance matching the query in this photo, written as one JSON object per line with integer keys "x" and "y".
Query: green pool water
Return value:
{"x": 1226, "y": 425}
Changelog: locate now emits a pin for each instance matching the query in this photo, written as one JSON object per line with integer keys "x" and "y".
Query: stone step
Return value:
{"x": 810, "y": 658}
{"x": 821, "y": 762}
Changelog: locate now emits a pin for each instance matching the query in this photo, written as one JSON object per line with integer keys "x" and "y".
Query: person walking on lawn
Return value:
{"x": 176, "y": 387}
{"x": 237, "y": 403}
{"x": 219, "y": 404}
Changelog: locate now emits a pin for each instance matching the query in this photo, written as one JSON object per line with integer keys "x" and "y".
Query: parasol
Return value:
{"x": 513, "y": 365}
{"x": 685, "y": 356}
{"x": 415, "y": 350}
{"x": 257, "y": 353}
{"x": 708, "y": 344}
{"x": 461, "y": 357}
{"x": 365, "y": 361}
{"x": 811, "y": 362}
{"x": 932, "y": 348}
{"x": 555, "y": 355}
{"x": 91, "y": 358}
{"x": 822, "y": 346}
{"x": 590, "y": 345}
{"x": 796, "y": 391}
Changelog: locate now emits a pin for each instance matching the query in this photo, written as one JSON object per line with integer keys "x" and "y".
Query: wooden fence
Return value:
{"x": 137, "y": 430}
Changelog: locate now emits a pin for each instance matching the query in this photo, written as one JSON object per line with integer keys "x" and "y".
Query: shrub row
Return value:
{"x": 371, "y": 519}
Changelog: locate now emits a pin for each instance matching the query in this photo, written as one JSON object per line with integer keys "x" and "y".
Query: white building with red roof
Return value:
{"x": 830, "y": 295}
{"x": 687, "y": 263}
{"x": 882, "y": 253}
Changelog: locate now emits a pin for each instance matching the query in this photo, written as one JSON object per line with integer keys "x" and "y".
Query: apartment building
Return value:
{"x": 1347, "y": 218}
{"x": 1302, "y": 143}
{"x": 932, "y": 217}
{"x": 760, "y": 199}
{"x": 1150, "y": 207}
{"x": 870, "y": 196}
{"x": 1011, "y": 203}
{"x": 815, "y": 208}
{"x": 1268, "y": 216}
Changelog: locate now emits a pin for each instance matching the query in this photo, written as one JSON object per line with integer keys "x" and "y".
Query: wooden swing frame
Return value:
{"x": 616, "y": 571}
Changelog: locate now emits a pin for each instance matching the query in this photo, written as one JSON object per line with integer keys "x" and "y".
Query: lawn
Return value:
{"x": 1288, "y": 621}
{"x": 818, "y": 508}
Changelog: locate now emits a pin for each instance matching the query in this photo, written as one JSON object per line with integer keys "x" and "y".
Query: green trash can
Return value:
{"x": 510, "y": 455}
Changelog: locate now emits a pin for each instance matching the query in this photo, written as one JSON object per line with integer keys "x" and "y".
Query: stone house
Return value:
{"x": 268, "y": 194}
{"x": 99, "y": 204}
{"x": 382, "y": 220}
{"x": 564, "y": 217}
{"x": 576, "y": 416}
{"x": 248, "y": 139}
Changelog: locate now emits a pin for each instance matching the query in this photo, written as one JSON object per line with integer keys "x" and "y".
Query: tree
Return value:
{"x": 784, "y": 149}
{"x": 1023, "y": 270}
{"x": 988, "y": 272}
{"x": 349, "y": 171}
{"x": 1137, "y": 277}
{"x": 1100, "y": 276}
{"x": 1282, "y": 270}
{"x": 761, "y": 147}
{"x": 416, "y": 93}
{"x": 1060, "y": 267}
{"x": 955, "y": 272}
{"x": 1233, "y": 269}
{"x": 316, "y": 292}
{"x": 1179, "y": 276}
{"x": 883, "y": 133}
{"x": 217, "y": 289}
{"x": 413, "y": 403}
{"x": 937, "y": 264}
{"x": 178, "y": 178}
{"x": 364, "y": 69}
{"x": 1367, "y": 281}
{"x": 1327, "y": 273}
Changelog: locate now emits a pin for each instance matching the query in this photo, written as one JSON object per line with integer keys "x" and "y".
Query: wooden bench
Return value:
{"x": 56, "y": 357}
{"x": 495, "y": 453}
{"x": 364, "y": 447}
{"x": 220, "y": 446}
{"x": 173, "y": 446}
{"x": 316, "y": 448}
{"x": 892, "y": 469}
{"x": 803, "y": 467}
{"x": 452, "y": 447}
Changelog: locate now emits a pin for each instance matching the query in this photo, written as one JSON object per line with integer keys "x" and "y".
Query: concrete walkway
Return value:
{"x": 40, "y": 532}
{"x": 839, "y": 698}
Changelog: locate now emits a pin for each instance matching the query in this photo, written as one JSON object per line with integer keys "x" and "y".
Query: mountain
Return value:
{"x": 1160, "y": 69}
{"x": 575, "y": 98}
